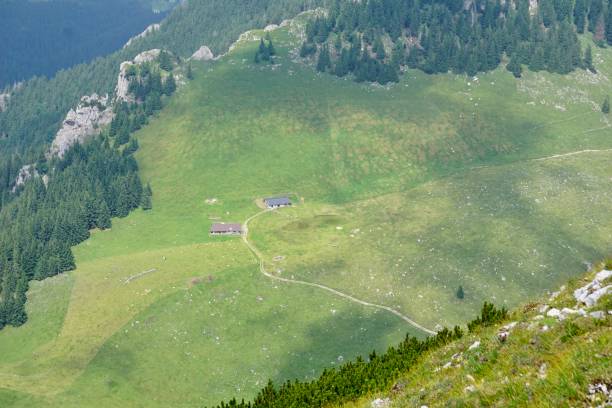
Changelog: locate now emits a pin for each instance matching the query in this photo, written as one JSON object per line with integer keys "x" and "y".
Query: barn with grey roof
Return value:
{"x": 277, "y": 202}
{"x": 219, "y": 228}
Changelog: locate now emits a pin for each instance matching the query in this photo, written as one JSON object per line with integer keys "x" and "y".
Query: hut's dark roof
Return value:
{"x": 273, "y": 201}
{"x": 225, "y": 228}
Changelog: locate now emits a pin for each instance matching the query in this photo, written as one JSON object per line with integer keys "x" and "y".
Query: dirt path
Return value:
{"x": 262, "y": 269}
{"x": 556, "y": 156}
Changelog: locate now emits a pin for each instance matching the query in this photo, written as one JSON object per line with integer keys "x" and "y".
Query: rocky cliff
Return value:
{"x": 86, "y": 120}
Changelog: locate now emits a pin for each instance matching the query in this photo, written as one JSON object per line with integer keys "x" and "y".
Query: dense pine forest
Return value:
{"x": 355, "y": 379}
{"x": 39, "y": 38}
{"x": 37, "y": 109}
{"x": 80, "y": 192}
{"x": 374, "y": 39}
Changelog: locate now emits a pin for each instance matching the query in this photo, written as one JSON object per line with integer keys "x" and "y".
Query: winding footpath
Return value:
{"x": 262, "y": 269}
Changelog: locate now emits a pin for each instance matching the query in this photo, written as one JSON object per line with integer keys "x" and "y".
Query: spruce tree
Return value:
{"x": 147, "y": 194}
{"x": 271, "y": 49}
{"x": 169, "y": 85}
{"x": 580, "y": 11}
{"x": 189, "y": 73}
{"x": 460, "y": 294}
{"x": 165, "y": 62}
{"x": 605, "y": 106}
{"x": 588, "y": 59}
{"x": 324, "y": 61}
{"x": 515, "y": 67}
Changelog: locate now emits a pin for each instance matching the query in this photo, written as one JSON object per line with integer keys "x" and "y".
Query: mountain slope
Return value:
{"x": 40, "y": 38}
{"x": 159, "y": 313}
{"x": 556, "y": 352}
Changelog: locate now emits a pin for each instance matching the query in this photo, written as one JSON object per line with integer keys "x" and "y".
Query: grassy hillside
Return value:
{"x": 404, "y": 193}
{"x": 543, "y": 362}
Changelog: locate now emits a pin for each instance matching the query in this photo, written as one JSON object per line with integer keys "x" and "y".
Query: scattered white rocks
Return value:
{"x": 554, "y": 295}
{"x": 599, "y": 314}
{"x": 504, "y": 332}
{"x": 470, "y": 388}
{"x": 147, "y": 56}
{"x": 381, "y": 403}
{"x": 271, "y": 27}
{"x": 93, "y": 113}
{"x": 25, "y": 173}
{"x": 543, "y": 308}
{"x": 203, "y": 54}
{"x": 542, "y": 371}
{"x": 600, "y": 393}
{"x": 474, "y": 345}
{"x": 590, "y": 294}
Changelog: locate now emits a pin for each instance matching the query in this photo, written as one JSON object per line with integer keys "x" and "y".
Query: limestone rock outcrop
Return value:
{"x": 203, "y": 54}
{"x": 123, "y": 83}
{"x": 93, "y": 113}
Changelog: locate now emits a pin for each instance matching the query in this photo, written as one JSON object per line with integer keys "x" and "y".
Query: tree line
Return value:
{"x": 362, "y": 376}
{"x": 373, "y": 39}
{"x": 85, "y": 189}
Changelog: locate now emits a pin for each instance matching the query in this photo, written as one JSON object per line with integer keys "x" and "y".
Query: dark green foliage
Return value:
{"x": 147, "y": 202}
{"x": 460, "y": 293}
{"x": 169, "y": 85}
{"x": 515, "y": 67}
{"x": 609, "y": 24}
{"x": 34, "y": 35}
{"x": 88, "y": 186}
{"x": 361, "y": 377}
{"x": 450, "y": 37}
{"x": 189, "y": 73}
{"x": 38, "y": 108}
{"x": 489, "y": 316}
{"x": 324, "y": 61}
{"x": 588, "y": 60}
{"x": 265, "y": 52}
{"x": 580, "y": 12}
{"x": 571, "y": 330}
{"x": 164, "y": 60}
{"x": 605, "y": 106}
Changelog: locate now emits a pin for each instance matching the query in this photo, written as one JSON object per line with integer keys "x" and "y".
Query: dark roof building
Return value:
{"x": 276, "y": 202}
{"x": 226, "y": 229}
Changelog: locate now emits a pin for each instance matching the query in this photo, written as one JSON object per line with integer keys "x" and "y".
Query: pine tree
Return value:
{"x": 588, "y": 60}
{"x": 103, "y": 219}
{"x": 165, "y": 62}
{"x": 147, "y": 194}
{"x": 324, "y": 61}
{"x": 123, "y": 136}
{"x": 609, "y": 24}
{"x": 379, "y": 49}
{"x": 271, "y": 49}
{"x": 460, "y": 294}
{"x": 515, "y": 67}
{"x": 189, "y": 73}
{"x": 580, "y": 11}
{"x": 169, "y": 85}
{"x": 605, "y": 106}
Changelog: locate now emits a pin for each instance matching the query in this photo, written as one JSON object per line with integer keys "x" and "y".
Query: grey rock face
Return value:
{"x": 203, "y": 54}
{"x": 93, "y": 113}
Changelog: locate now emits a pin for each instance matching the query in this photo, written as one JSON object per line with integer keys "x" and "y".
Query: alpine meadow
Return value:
{"x": 429, "y": 156}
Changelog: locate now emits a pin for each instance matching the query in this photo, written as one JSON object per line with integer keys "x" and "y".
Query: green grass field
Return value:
{"x": 404, "y": 193}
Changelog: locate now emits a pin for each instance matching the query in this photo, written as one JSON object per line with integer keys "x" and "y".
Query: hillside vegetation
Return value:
{"x": 403, "y": 193}
{"x": 38, "y": 38}
{"x": 549, "y": 352}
